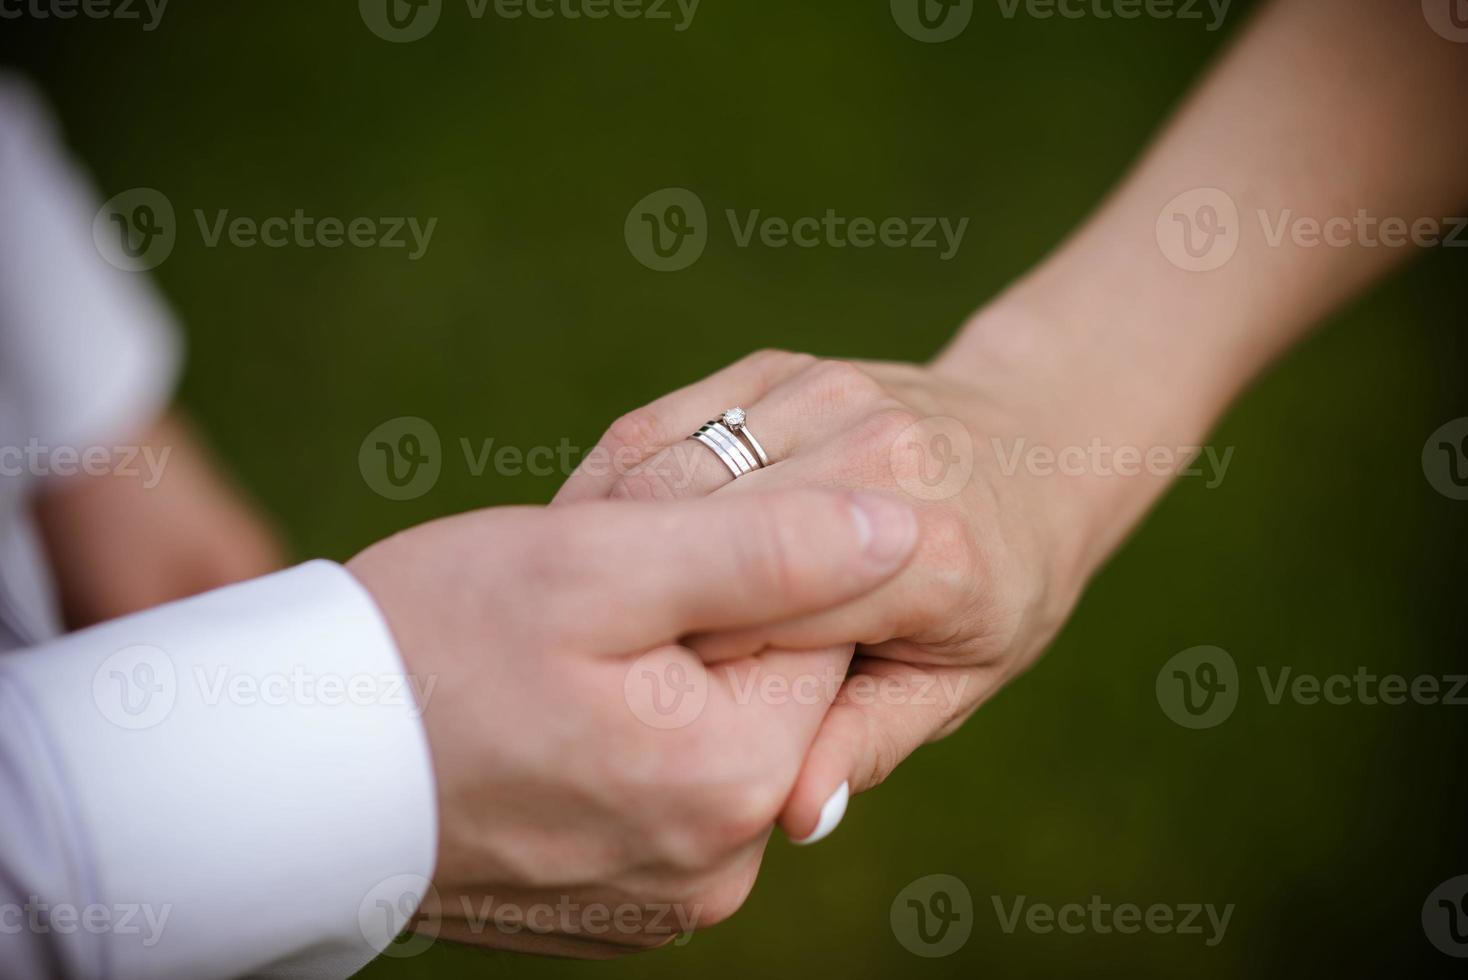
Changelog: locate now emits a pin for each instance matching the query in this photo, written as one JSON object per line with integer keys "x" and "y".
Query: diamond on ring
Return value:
{"x": 731, "y": 440}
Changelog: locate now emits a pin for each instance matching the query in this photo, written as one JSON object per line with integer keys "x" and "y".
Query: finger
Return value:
{"x": 946, "y": 571}
{"x": 791, "y": 689}
{"x": 632, "y": 576}
{"x": 885, "y": 711}
{"x": 668, "y": 420}
{"x": 808, "y": 408}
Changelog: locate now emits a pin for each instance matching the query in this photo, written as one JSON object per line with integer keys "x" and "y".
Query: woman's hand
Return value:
{"x": 1002, "y": 553}
{"x": 599, "y": 791}
{"x": 1115, "y": 344}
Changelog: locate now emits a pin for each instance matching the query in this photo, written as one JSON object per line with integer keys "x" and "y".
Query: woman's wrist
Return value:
{"x": 1103, "y": 423}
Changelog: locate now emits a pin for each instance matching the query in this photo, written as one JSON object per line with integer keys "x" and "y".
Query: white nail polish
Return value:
{"x": 831, "y": 813}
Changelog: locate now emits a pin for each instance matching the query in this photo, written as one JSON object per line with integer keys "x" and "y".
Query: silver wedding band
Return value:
{"x": 731, "y": 440}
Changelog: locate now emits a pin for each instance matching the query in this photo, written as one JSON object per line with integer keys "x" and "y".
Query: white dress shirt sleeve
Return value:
{"x": 88, "y": 351}
{"x": 237, "y": 783}
{"x": 233, "y": 784}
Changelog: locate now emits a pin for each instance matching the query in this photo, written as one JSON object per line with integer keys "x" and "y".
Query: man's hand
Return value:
{"x": 599, "y": 790}
{"x": 173, "y": 526}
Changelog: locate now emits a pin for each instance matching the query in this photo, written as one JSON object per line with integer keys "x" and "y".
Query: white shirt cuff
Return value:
{"x": 247, "y": 771}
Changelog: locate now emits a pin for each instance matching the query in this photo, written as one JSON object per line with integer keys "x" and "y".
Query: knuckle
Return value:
{"x": 772, "y": 362}
{"x": 840, "y": 383}
{"x": 639, "y": 428}
{"x": 770, "y": 358}
{"x": 950, "y": 554}
{"x": 888, "y": 423}
{"x": 884, "y": 439}
{"x": 721, "y": 820}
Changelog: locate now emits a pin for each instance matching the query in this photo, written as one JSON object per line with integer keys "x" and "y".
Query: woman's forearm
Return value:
{"x": 1326, "y": 147}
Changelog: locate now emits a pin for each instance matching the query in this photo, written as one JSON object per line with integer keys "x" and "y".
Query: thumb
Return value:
{"x": 886, "y": 710}
{"x": 660, "y": 571}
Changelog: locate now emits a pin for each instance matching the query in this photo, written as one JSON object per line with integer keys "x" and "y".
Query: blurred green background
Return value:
{"x": 528, "y": 321}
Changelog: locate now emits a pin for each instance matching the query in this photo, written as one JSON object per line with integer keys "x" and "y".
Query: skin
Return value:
{"x": 559, "y": 785}
{"x": 1107, "y": 339}
{"x": 117, "y": 546}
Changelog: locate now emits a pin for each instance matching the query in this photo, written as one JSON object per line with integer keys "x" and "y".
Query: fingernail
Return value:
{"x": 831, "y": 813}
{"x": 886, "y": 528}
